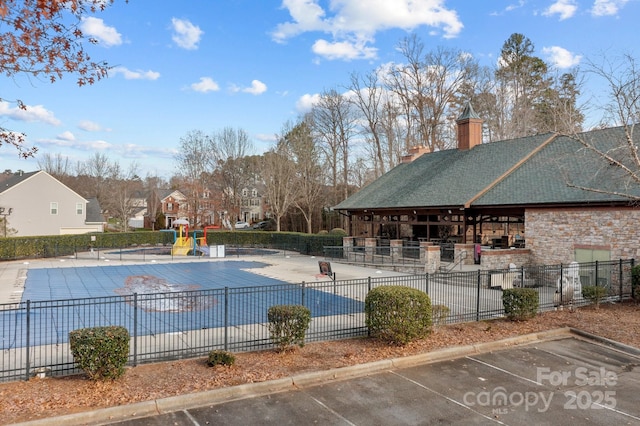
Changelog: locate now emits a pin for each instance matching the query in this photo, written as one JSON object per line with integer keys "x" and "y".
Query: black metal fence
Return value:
{"x": 191, "y": 323}
{"x": 405, "y": 258}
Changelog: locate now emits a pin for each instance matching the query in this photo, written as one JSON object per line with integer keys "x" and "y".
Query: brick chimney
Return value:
{"x": 469, "y": 128}
{"x": 415, "y": 152}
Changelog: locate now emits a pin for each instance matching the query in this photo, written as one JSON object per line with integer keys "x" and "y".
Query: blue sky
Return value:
{"x": 254, "y": 64}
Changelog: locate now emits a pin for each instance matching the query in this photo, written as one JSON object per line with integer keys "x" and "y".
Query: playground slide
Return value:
{"x": 203, "y": 249}
{"x": 180, "y": 251}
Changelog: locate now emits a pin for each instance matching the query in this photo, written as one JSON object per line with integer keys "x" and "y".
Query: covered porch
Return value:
{"x": 494, "y": 228}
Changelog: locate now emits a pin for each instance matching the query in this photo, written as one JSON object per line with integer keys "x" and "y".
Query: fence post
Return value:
{"x": 620, "y": 278}
{"x": 426, "y": 283}
{"x": 561, "y": 285}
{"x": 597, "y": 275}
{"x": 303, "y": 292}
{"x": 633, "y": 290}
{"x": 226, "y": 318}
{"x": 478, "y": 297}
{"x": 28, "y": 349}
{"x": 135, "y": 329}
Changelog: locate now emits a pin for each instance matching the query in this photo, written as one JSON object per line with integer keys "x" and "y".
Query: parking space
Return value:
{"x": 566, "y": 381}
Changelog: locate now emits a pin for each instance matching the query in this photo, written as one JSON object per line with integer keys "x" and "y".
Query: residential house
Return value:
{"x": 253, "y": 207}
{"x": 521, "y": 200}
{"x": 173, "y": 205}
{"x": 36, "y": 203}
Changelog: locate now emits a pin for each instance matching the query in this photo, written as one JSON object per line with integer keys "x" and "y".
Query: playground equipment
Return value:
{"x": 202, "y": 246}
{"x": 183, "y": 244}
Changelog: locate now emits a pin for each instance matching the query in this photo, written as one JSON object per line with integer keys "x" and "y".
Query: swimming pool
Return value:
{"x": 153, "y": 299}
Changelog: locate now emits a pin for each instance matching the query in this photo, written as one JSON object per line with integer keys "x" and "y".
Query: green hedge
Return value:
{"x": 520, "y": 304}
{"x": 307, "y": 244}
{"x": 67, "y": 245}
{"x": 101, "y": 352}
{"x": 398, "y": 314}
{"x": 288, "y": 325}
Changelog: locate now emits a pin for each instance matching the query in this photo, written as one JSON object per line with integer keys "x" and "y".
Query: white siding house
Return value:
{"x": 36, "y": 203}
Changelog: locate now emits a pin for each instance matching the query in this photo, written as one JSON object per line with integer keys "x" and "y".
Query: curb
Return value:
{"x": 249, "y": 390}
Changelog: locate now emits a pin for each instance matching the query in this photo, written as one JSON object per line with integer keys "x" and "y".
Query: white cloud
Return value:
{"x": 257, "y": 88}
{"x": 32, "y": 113}
{"x": 306, "y": 102}
{"x": 205, "y": 85}
{"x": 186, "y": 35}
{"x": 97, "y": 29}
{"x": 135, "y": 75}
{"x": 607, "y": 7}
{"x": 561, "y": 57}
{"x": 354, "y": 23}
{"x": 66, "y": 136}
{"x": 343, "y": 50}
{"x": 91, "y": 126}
{"x": 98, "y": 145}
{"x": 564, "y": 8}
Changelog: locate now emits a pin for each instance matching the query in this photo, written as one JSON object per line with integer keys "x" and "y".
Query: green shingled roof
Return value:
{"x": 524, "y": 171}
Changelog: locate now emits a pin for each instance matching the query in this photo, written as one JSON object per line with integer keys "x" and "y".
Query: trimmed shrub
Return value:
{"x": 520, "y": 304}
{"x": 101, "y": 352}
{"x": 594, "y": 294}
{"x": 288, "y": 325}
{"x": 218, "y": 357}
{"x": 635, "y": 282}
{"x": 323, "y": 232}
{"x": 439, "y": 314}
{"x": 338, "y": 231}
{"x": 398, "y": 314}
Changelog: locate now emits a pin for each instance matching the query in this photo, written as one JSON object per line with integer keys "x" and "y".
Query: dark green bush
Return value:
{"x": 520, "y": 304}
{"x": 635, "y": 282}
{"x": 101, "y": 352}
{"x": 594, "y": 294}
{"x": 288, "y": 325}
{"x": 338, "y": 231}
{"x": 398, "y": 314}
{"x": 218, "y": 357}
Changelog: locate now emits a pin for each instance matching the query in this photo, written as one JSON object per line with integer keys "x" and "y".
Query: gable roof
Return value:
{"x": 94, "y": 212}
{"x": 524, "y": 171}
{"x": 15, "y": 179}
{"x": 20, "y": 177}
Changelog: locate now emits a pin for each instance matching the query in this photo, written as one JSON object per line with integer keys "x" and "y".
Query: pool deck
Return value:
{"x": 292, "y": 268}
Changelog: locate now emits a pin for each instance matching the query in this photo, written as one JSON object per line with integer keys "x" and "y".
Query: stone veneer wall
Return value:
{"x": 501, "y": 259}
{"x": 552, "y": 235}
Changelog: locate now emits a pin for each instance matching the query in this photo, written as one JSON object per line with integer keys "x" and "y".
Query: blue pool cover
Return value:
{"x": 174, "y": 297}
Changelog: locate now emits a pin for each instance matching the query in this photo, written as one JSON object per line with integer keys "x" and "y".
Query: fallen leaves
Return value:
{"x": 39, "y": 398}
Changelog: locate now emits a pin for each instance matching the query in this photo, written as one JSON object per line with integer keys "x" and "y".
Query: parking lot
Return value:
{"x": 565, "y": 381}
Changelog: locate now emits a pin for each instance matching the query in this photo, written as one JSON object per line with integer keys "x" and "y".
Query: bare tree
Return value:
{"x": 278, "y": 171}
{"x": 56, "y": 165}
{"x": 195, "y": 165}
{"x": 125, "y": 194}
{"x": 152, "y": 187}
{"x": 333, "y": 124}
{"x": 308, "y": 172}
{"x": 618, "y": 159}
{"x": 368, "y": 98}
{"x": 42, "y": 39}
{"x": 426, "y": 87}
{"x": 233, "y": 172}
{"x": 97, "y": 170}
